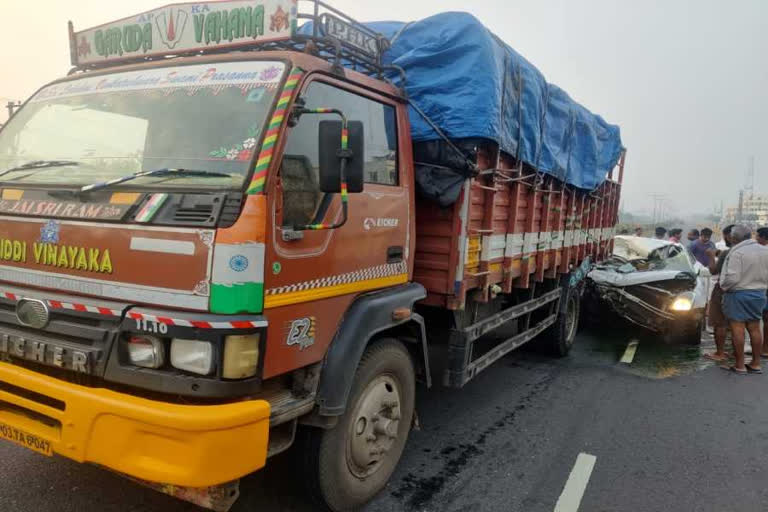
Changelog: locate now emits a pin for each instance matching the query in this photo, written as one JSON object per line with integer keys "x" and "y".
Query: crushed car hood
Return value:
{"x": 614, "y": 278}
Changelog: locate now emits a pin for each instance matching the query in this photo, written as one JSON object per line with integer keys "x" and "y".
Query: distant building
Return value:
{"x": 754, "y": 211}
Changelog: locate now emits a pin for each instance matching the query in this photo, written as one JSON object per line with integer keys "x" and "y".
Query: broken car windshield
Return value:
{"x": 651, "y": 254}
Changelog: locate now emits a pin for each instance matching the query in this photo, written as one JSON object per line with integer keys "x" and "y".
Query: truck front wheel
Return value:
{"x": 346, "y": 466}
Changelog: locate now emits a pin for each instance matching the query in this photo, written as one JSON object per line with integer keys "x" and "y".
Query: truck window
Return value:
{"x": 299, "y": 170}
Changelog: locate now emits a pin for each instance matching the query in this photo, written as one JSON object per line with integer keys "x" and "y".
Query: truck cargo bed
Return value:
{"x": 510, "y": 226}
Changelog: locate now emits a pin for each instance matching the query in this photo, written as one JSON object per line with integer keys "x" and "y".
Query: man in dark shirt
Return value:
{"x": 700, "y": 247}
{"x": 716, "y": 317}
{"x": 693, "y": 235}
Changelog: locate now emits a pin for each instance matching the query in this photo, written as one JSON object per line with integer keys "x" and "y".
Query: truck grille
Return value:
{"x": 83, "y": 340}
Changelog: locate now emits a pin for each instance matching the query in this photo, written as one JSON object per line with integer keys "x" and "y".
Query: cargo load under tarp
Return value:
{"x": 472, "y": 86}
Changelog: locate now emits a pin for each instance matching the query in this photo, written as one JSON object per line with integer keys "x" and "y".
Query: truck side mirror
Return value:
{"x": 330, "y": 157}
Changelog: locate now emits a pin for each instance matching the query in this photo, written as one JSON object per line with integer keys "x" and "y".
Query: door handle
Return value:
{"x": 395, "y": 254}
{"x": 290, "y": 235}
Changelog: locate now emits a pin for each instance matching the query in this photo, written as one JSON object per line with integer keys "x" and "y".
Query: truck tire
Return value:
{"x": 558, "y": 339}
{"x": 346, "y": 466}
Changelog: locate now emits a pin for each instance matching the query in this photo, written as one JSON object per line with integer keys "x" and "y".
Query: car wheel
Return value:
{"x": 688, "y": 333}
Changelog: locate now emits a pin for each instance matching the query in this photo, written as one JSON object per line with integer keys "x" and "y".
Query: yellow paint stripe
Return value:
{"x": 12, "y": 194}
{"x": 123, "y": 198}
{"x": 285, "y": 299}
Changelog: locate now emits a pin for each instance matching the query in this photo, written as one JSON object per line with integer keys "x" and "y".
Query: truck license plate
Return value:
{"x": 26, "y": 440}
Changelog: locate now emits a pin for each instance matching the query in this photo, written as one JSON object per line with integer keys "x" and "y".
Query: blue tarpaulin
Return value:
{"x": 472, "y": 85}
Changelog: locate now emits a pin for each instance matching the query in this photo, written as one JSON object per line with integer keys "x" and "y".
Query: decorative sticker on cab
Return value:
{"x": 301, "y": 332}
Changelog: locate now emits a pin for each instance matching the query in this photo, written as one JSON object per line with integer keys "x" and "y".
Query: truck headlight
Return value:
{"x": 241, "y": 356}
{"x": 683, "y": 302}
{"x": 145, "y": 351}
{"x": 193, "y": 356}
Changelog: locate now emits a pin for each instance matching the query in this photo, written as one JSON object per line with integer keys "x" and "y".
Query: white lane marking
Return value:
{"x": 629, "y": 353}
{"x": 570, "y": 499}
{"x": 160, "y": 245}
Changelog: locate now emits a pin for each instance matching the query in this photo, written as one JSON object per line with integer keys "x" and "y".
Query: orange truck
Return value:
{"x": 213, "y": 247}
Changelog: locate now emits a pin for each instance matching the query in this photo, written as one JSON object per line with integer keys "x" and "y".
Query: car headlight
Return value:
{"x": 193, "y": 356}
{"x": 683, "y": 302}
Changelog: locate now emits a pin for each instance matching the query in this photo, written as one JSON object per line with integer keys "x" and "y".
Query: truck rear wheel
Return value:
{"x": 558, "y": 339}
{"x": 346, "y": 466}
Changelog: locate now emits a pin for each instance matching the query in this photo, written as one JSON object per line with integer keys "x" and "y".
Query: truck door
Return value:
{"x": 312, "y": 276}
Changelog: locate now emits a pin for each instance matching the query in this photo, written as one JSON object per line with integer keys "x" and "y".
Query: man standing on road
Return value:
{"x": 675, "y": 235}
{"x": 744, "y": 281}
{"x": 660, "y": 233}
{"x": 700, "y": 247}
{"x": 715, "y": 314}
{"x": 638, "y": 231}
{"x": 762, "y": 239}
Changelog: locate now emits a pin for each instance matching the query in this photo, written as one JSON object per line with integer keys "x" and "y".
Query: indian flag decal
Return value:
{"x": 273, "y": 129}
{"x": 237, "y": 280}
{"x": 151, "y": 207}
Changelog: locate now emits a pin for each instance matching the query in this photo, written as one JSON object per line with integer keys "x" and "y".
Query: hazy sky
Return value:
{"x": 687, "y": 80}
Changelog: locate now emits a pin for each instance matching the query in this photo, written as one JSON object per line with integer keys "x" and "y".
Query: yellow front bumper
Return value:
{"x": 184, "y": 445}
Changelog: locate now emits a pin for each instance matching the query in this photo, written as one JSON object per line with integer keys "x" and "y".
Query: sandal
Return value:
{"x": 717, "y": 359}
{"x": 733, "y": 369}
{"x": 754, "y": 370}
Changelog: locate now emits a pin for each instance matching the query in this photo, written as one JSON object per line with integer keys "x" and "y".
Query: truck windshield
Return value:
{"x": 208, "y": 117}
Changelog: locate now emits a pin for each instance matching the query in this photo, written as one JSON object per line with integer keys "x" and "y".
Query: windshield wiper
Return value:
{"x": 39, "y": 164}
{"x": 155, "y": 172}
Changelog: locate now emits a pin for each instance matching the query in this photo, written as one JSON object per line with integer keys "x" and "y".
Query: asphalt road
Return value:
{"x": 669, "y": 432}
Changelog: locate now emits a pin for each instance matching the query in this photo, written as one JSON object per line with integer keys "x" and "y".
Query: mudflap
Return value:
{"x": 218, "y": 498}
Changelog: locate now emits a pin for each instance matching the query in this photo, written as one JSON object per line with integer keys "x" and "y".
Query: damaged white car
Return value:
{"x": 656, "y": 284}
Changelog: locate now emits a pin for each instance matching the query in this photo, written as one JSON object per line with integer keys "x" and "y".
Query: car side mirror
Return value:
{"x": 330, "y": 157}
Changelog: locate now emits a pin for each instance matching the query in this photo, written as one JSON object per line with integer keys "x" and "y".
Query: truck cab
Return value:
{"x": 176, "y": 257}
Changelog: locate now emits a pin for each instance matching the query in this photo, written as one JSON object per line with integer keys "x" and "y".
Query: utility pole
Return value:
{"x": 740, "y": 211}
{"x": 750, "y": 184}
{"x": 659, "y": 203}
